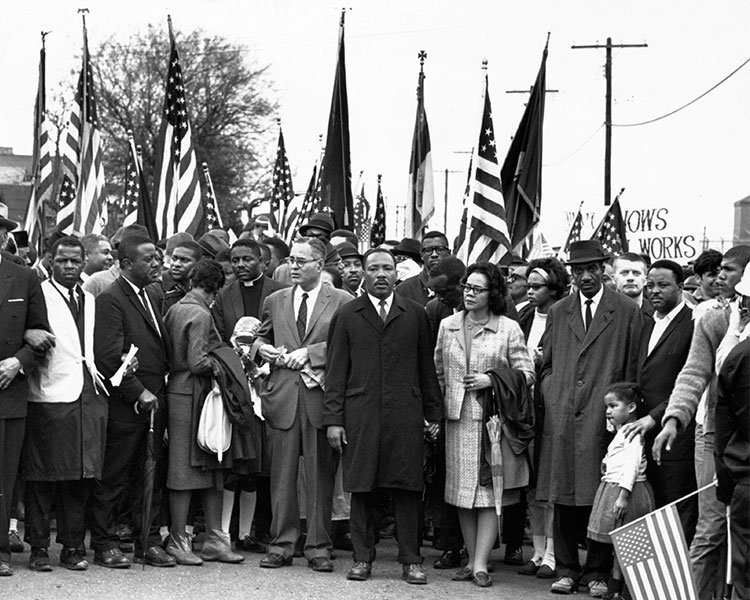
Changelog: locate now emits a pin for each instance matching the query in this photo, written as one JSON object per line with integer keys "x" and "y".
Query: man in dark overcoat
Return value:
{"x": 381, "y": 392}
{"x": 590, "y": 342}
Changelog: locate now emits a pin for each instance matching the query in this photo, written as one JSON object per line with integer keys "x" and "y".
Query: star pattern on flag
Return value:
{"x": 282, "y": 180}
{"x": 487, "y": 148}
{"x": 67, "y": 191}
{"x": 212, "y": 219}
{"x": 377, "y": 229}
{"x": 636, "y": 545}
{"x": 174, "y": 108}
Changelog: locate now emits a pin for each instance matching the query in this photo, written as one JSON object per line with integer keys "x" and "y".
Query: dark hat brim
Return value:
{"x": 7, "y": 224}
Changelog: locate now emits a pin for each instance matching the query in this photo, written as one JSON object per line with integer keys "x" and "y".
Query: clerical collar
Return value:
{"x": 253, "y": 282}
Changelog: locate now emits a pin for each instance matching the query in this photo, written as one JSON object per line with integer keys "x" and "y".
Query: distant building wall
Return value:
{"x": 741, "y": 222}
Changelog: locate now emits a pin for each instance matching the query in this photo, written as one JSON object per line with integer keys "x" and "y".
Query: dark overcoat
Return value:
{"x": 381, "y": 386}
{"x": 577, "y": 368}
{"x": 229, "y": 307}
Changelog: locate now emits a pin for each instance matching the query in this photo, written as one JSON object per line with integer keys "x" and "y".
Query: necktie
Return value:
{"x": 142, "y": 295}
{"x": 73, "y": 304}
{"x": 383, "y": 314}
{"x": 302, "y": 318}
{"x": 588, "y": 314}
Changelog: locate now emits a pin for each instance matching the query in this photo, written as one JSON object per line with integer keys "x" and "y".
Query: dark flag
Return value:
{"x": 283, "y": 193}
{"x": 41, "y": 166}
{"x": 377, "y": 231}
{"x": 612, "y": 232}
{"x": 522, "y": 170}
{"x": 137, "y": 203}
{"x": 487, "y": 235}
{"x": 362, "y": 222}
{"x": 574, "y": 235}
{"x": 177, "y": 189}
{"x": 458, "y": 242}
{"x": 335, "y": 182}
{"x": 420, "y": 204}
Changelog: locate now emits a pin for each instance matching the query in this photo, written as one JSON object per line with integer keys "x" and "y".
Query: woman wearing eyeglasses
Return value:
{"x": 472, "y": 343}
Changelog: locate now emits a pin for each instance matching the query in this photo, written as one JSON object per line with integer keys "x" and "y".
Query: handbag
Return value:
{"x": 214, "y": 426}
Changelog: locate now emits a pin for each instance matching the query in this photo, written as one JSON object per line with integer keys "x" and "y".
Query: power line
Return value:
{"x": 576, "y": 151}
{"x": 693, "y": 101}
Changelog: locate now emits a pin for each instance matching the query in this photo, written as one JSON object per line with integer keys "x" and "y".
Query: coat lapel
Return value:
{"x": 455, "y": 326}
{"x": 667, "y": 332}
{"x": 397, "y": 308}
{"x": 367, "y": 310}
{"x": 235, "y": 296}
{"x": 136, "y": 301}
{"x": 602, "y": 318}
{"x": 5, "y": 281}
{"x": 287, "y": 302}
{"x": 324, "y": 298}
{"x": 575, "y": 322}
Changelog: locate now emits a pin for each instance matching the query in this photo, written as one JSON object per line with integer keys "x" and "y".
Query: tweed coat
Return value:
{"x": 283, "y": 389}
{"x": 577, "y": 368}
{"x": 381, "y": 386}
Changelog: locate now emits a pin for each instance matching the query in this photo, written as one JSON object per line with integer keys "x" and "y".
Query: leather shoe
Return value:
{"x": 322, "y": 564}
{"x": 482, "y": 579}
{"x": 250, "y": 544}
{"x": 39, "y": 560}
{"x": 112, "y": 559}
{"x": 274, "y": 560}
{"x": 564, "y": 585}
{"x": 156, "y": 557}
{"x": 449, "y": 560}
{"x": 414, "y": 574}
{"x": 464, "y": 574}
{"x": 16, "y": 545}
{"x": 73, "y": 559}
{"x": 530, "y": 568}
{"x": 5, "y": 570}
{"x": 359, "y": 571}
{"x": 546, "y": 572}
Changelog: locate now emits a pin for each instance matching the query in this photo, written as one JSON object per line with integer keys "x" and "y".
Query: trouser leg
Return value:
{"x": 566, "y": 533}
{"x": 406, "y": 507}
{"x": 39, "y": 499}
{"x": 362, "y": 525}
{"x": 285, "y": 451}
{"x": 11, "y": 439}
{"x": 72, "y": 498}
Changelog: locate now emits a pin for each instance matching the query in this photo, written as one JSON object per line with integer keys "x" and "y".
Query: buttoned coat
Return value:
{"x": 284, "y": 388}
{"x": 229, "y": 307}
{"x": 577, "y": 368}
{"x": 22, "y": 307}
{"x": 381, "y": 386}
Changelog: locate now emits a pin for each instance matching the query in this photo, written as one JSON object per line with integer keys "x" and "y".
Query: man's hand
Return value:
{"x": 269, "y": 353}
{"x": 39, "y": 339}
{"x": 147, "y": 401}
{"x": 9, "y": 368}
{"x": 296, "y": 359}
{"x": 642, "y": 426}
{"x": 132, "y": 365}
{"x": 432, "y": 428}
{"x": 666, "y": 438}
{"x": 336, "y": 437}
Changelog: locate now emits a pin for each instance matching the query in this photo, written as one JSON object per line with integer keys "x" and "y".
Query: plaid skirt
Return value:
{"x": 602, "y": 519}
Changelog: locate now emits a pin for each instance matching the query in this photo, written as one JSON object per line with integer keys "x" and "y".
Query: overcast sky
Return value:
{"x": 693, "y": 165}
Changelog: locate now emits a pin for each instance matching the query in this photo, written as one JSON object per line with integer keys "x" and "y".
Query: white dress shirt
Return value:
{"x": 596, "y": 301}
{"x": 312, "y": 297}
{"x": 376, "y": 303}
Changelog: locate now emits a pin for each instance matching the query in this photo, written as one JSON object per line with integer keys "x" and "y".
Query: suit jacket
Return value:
{"x": 381, "y": 386}
{"x": 284, "y": 388}
{"x": 657, "y": 373}
{"x": 577, "y": 368}
{"x": 122, "y": 320}
{"x": 22, "y": 307}
{"x": 415, "y": 288}
{"x": 229, "y": 308}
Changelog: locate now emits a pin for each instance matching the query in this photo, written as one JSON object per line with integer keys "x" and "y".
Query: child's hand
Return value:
{"x": 621, "y": 505}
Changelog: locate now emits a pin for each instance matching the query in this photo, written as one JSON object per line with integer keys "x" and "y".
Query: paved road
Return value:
{"x": 247, "y": 581}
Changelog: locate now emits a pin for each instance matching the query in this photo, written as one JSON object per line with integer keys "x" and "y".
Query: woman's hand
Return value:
{"x": 477, "y": 381}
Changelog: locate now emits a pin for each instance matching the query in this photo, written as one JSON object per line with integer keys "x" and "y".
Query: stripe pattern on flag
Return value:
{"x": 283, "y": 192}
{"x": 177, "y": 193}
{"x": 210, "y": 205}
{"x": 420, "y": 205}
{"x": 377, "y": 229}
{"x": 654, "y": 558}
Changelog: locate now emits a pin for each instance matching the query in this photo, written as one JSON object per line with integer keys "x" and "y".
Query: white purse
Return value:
{"x": 214, "y": 426}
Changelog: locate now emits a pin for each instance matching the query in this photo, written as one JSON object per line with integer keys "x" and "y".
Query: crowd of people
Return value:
{"x": 395, "y": 391}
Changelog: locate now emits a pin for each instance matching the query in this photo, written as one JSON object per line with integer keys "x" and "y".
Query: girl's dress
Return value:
{"x": 624, "y": 466}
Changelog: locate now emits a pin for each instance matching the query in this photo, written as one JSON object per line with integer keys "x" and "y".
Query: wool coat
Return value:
{"x": 577, "y": 368}
{"x": 229, "y": 307}
{"x": 381, "y": 387}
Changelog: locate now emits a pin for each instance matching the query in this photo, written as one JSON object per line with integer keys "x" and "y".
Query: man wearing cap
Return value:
{"x": 6, "y": 226}
{"x": 212, "y": 242}
{"x": 591, "y": 341}
{"x": 352, "y": 273}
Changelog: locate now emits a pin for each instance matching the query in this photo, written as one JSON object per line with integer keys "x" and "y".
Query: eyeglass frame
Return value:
{"x": 474, "y": 289}
{"x": 293, "y": 261}
{"x": 440, "y": 250}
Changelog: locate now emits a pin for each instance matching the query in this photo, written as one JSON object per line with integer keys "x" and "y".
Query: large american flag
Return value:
{"x": 487, "y": 235}
{"x": 137, "y": 206}
{"x": 574, "y": 235}
{"x": 377, "y": 229}
{"x": 283, "y": 192}
{"x": 82, "y": 206}
{"x": 612, "y": 232}
{"x": 177, "y": 189}
{"x": 653, "y": 556}
{"x": 211, "y": 210}
{"x": 42, "y": 183}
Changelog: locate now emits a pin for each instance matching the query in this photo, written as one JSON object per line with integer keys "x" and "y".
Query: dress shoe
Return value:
{"x": 250, "y": 544}
{"x": 274, "y": 560}
{"x": 530, "y": 568}
{"x": 449, "y": 560}
{"x": 322, "y": 564}
{"x": 597, "y": 588}
{"x": 125, "y": 536}
{"x": 359, "y": 571}
{"x": 513, "y": 556}
{"x": 39, "y": 560}
{"x": 73, "y": 559}
{"x": 218, "y": 548}
{"x": 564, "y": 585}
{"x": 5, "y": 570}
{"x": 180, "y": 548}
{"x": 112, "y": 559}
{"x": 16, "y": 545}
{"x": 464, "y": 574}
{"x": 546, "y": 572}
{"x": 414, "y": 574}
{"x": 482, "y": 579}
{"x": 155, "y": 557}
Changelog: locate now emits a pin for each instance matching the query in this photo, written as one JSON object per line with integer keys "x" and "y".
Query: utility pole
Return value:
{"x": 608, "y": 114}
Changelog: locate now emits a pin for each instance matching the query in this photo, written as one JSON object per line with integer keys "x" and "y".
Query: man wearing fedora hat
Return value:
{"x": 352, "y": 272}
{"x": 319, "y": 226}
{"x": 591, "y": 341}
{"x": 6, "y": 226}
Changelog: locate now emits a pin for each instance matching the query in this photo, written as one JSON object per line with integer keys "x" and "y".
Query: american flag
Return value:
{"x": 653, "y": 556}
{"x": 612, "y": 232}
{"x": 308, "y": 208}
{"x": 574, "y": 235}
{"x": 82, "y": 205}
{"x": 487, "y": 235}
{"x": 136, "y": 201}
{"x": 283, "y": 192}
{"x": 177, "y": 189}
{"x": 41, "y": 188}
{"x": 362, "y": 221}
{"x": 377, "y": 230}
{"x": 210, "y": 205}
{"x": 461, "y": 237}
{"x": 420, "y": 204}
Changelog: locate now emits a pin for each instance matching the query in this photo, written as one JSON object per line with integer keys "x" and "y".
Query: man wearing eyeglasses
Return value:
{"x": 434, "y": 247}
{"x": 518, "y": 287}
{"x": 293, "y": 340}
